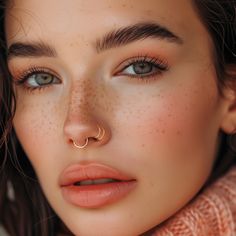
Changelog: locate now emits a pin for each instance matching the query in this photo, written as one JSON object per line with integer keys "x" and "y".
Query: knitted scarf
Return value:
{"x": 211, "y": 213}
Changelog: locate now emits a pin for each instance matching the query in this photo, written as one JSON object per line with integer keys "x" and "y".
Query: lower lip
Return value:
{"x": 95, "y": 196}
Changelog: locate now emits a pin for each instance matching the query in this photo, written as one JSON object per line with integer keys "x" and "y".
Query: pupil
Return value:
{"x": 43, "y": 79}
{"x": 142, "y": 68}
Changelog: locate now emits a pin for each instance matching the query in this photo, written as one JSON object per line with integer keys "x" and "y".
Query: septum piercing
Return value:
{"x": 99, "y": 136}
{"x": 78, "y": 146}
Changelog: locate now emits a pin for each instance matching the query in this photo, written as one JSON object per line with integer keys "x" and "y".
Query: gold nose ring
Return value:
{"x": 101, "y": 133}
{"x": 99, "y": 136}
{"x": 78, "y": 146}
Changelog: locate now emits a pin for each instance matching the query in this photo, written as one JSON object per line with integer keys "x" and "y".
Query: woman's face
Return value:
{"x": 143, "y": 71}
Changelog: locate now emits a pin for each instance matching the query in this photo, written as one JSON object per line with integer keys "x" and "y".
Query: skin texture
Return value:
{"x": 163, "y": 131}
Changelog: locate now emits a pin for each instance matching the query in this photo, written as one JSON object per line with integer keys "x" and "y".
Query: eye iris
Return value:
{"x": 142, "y": 67}
{"x": 43, "y": 78}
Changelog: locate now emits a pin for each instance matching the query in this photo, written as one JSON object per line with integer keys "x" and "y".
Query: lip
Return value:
{"x": 96, "y": 195}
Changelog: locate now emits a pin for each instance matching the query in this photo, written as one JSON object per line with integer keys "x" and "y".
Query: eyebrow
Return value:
{"x": 140, "y": 31}
{"x": 115, "y": 38}
{"x": 33, "y": 49}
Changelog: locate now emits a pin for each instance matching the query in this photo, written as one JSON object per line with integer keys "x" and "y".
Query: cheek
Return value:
{"x": 36, "y": 125}
{"x": 34, "y": 120}
{"x": 175, "y": 123}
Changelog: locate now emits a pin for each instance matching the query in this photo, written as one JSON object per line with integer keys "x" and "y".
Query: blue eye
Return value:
{"x": 40, "y": 79}
{"x": 143, "y": 67}
{"x": 37, "y": 78}
{"x": 140, "y": 68}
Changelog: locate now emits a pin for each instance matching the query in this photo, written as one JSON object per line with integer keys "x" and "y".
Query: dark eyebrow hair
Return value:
{"x": 139, "y": 31}
{"x": 34, "y": 49}
{"x": 115, "y": 38}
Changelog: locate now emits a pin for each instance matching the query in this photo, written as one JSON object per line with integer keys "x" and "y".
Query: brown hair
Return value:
{"x": 219, "y": 18}
{"x": 28, "y": 213}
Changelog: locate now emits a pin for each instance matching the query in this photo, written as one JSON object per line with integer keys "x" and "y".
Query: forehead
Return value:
{"x": 32, "y": 18}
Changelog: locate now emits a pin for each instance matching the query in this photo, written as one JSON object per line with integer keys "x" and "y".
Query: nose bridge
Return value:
{"x": 82, "y": 125}
{"x": 81, "y": 100}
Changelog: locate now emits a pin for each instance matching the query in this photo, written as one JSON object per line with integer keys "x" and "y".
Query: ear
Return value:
{"x": 228, "y": 124}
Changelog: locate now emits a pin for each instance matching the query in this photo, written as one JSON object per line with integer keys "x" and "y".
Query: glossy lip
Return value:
{"x": 98, "y": 195}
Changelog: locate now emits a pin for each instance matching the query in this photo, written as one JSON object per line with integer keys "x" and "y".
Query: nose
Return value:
{"x": 84, "y": 134}
{"x": 82, "y": 127}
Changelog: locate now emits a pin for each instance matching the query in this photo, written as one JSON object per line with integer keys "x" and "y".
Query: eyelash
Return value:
{"x": 20, "y": 80}
{"x": 160, "y": 65}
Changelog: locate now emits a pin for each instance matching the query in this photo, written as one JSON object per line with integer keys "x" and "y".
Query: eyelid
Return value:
{"x": 21, "y": 77}
{"x": 161, "y": 63}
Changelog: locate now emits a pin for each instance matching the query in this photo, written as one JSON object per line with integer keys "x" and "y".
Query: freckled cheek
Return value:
{"x": 36, "y": 126}
{"x": 173, "y": 123}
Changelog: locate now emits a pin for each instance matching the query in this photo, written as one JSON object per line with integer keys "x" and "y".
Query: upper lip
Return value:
{"x": 79, "y": 172}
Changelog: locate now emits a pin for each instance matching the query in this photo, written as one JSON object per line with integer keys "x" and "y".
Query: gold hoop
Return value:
{"x": 83, "y": 146}
{"x": 98, "y": 137}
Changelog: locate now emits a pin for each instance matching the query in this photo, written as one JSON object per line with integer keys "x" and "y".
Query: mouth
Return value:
{"x": 94, "y": 185}
{"x": 95, "y": 182}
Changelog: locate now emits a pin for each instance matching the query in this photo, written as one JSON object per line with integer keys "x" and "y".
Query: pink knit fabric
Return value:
{"x": 212, "y": 213}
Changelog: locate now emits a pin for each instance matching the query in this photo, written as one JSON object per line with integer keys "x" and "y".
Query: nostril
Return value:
{"x": 92, "y": 139}
{"x": 84, "y": 133}
{"x": 79, "y": 145}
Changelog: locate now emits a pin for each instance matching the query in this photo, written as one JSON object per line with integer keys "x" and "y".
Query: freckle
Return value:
{"x": 169, "y": 115}
{"x": 157, "y": 130}
{"x": 163, "y": 131}
{"x": 143, "y": 145}
{"x": 151, "y": 183}
{"x": 123, "y": 5}
{"x": 178, "y": 133}
{"x": 148, "y": 12}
